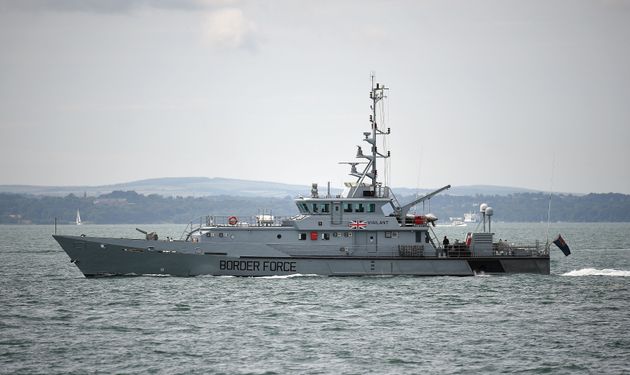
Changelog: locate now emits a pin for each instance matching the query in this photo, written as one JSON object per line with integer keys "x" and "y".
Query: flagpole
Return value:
{"x": 553, "y": 162}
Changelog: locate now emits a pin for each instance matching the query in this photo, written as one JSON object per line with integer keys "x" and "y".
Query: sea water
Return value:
{"x": 576, "y": 320}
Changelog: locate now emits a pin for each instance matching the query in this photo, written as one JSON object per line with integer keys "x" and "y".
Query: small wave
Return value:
{"x": 151, "y": 274}
{"x": 288, "y": 276}
{"x": 205, "y": 276}
{"x": 480, "y": 274}
{"x": 596, "y": 272}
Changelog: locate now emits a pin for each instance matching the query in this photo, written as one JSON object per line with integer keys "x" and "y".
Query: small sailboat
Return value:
{"x": 78, "y": 219}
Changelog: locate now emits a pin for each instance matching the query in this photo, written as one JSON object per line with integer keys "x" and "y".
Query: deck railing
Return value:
{"x": 263, "y": 220}
{"x": 498, "y": 249}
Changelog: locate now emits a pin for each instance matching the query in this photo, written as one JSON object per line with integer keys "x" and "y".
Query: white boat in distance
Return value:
{"x": 471, "y": 217}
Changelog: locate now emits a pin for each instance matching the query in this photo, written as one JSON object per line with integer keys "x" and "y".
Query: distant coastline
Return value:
{"x": 129, "y": 207}
{"x": 206, "y": 186}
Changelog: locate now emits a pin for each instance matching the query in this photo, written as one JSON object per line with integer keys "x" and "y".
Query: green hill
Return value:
{"x": 132, "y": 207}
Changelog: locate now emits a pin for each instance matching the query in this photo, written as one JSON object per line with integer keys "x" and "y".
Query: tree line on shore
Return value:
{"x": 129, "y": 207}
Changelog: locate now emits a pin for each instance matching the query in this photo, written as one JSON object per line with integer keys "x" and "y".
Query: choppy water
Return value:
{"x": 576, "y": 320}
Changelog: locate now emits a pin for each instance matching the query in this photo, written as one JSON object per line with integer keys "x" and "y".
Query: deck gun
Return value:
{"x": 151, "y": 236}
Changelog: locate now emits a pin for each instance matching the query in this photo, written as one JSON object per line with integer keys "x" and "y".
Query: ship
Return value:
{"x": 471, "y": 217}
{"x": 362, "y": 231}
{"x": 454, "y": 222}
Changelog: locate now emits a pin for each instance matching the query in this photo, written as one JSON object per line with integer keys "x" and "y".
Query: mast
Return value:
{"x": 376, "y": 94}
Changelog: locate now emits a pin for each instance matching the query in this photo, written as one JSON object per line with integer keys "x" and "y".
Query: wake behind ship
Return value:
{"x": 363, "y": 231}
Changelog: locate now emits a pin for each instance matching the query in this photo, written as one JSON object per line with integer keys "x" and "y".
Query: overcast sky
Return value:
{"x": 532, "y": 94}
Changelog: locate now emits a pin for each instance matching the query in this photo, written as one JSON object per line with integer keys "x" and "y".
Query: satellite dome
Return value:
{"x": 489, "y": 211}
{"x": 482, "y": 207}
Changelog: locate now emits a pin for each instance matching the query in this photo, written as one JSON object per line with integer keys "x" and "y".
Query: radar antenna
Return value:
{"x": 353, "y": 167}
{"x": 376, "y": 94}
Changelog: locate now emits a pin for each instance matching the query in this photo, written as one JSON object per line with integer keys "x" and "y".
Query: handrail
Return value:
{"x": 186, "y": 232}
{"x": 232, "y": 221}
{"x": 498, "y": 249}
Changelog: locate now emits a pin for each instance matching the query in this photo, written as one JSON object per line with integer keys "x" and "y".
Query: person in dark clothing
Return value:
{"x": 445, "y": 243}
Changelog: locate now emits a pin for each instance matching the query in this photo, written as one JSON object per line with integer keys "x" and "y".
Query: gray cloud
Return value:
{"x": 107, "y": 6}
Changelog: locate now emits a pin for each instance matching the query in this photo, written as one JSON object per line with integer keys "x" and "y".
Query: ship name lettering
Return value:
{"x": 255, "y": 265}
{"x": 378, "y": 222}
{"x": 282, "y": 266}
{"x": 239, "y": 265}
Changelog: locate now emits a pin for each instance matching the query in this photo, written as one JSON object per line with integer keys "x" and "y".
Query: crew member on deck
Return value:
{"x": 445, "y": 242}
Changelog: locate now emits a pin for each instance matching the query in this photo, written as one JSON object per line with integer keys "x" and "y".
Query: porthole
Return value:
{"x": 279, "y": 236}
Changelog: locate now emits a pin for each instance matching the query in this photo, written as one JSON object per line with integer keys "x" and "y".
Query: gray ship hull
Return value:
{"x": 362, "y": 231}
{"x": 112, "y": 257}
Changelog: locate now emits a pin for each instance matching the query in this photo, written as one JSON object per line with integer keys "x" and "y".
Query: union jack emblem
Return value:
{"x": 357, "y": 224}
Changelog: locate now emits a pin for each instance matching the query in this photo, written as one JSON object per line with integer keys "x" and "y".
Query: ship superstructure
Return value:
{"x": 363, "y": 231}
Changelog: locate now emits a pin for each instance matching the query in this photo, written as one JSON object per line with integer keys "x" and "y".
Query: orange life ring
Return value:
{"x": 232, "y": 220}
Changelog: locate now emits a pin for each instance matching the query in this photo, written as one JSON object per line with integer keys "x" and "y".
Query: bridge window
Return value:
{"x": 315, "y": 208}
{"x": 326, "y": 207}
{"x": 303, "y": 208}
{"x": 372, "y": 207}
{"x": 358, "y": 207}
{"x": 347, "y": 207}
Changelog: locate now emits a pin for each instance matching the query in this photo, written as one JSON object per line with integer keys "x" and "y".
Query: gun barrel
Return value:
{"x": 141, "y": 231}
